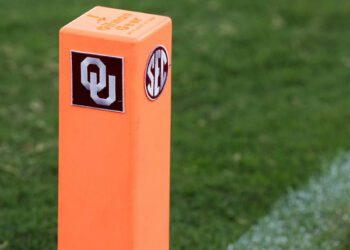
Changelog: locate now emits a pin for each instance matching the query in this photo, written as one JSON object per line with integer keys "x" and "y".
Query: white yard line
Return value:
{"x": 315, "y": 217}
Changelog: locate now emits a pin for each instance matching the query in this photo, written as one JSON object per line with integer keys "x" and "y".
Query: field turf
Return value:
{"x": 260, "y": 104}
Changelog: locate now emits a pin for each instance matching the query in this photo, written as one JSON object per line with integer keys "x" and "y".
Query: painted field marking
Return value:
{"x": 316, "y": 217}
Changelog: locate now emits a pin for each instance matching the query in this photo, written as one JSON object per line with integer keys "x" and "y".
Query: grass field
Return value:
{"x": 260, "y": 104}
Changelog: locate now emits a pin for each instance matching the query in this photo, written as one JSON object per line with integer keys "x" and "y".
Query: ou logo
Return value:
{"x": 89, "y": 81}
{"x": 156, "y": 72}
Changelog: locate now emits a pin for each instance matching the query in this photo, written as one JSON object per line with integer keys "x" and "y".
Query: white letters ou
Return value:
{"x": 95, "y": 87}
{"x": 157, "y": 62}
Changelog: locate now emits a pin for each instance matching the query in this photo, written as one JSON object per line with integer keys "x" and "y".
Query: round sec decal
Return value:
{"x": 156, "y": 72}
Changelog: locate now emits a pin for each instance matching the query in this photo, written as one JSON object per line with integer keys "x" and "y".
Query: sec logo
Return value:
{"x": 156, "y": 72}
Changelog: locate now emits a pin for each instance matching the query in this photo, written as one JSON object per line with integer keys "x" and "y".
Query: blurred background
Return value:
{"x": 260, "y": 104}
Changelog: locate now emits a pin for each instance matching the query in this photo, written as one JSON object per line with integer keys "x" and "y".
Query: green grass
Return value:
{"x": 260, "y": 99}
